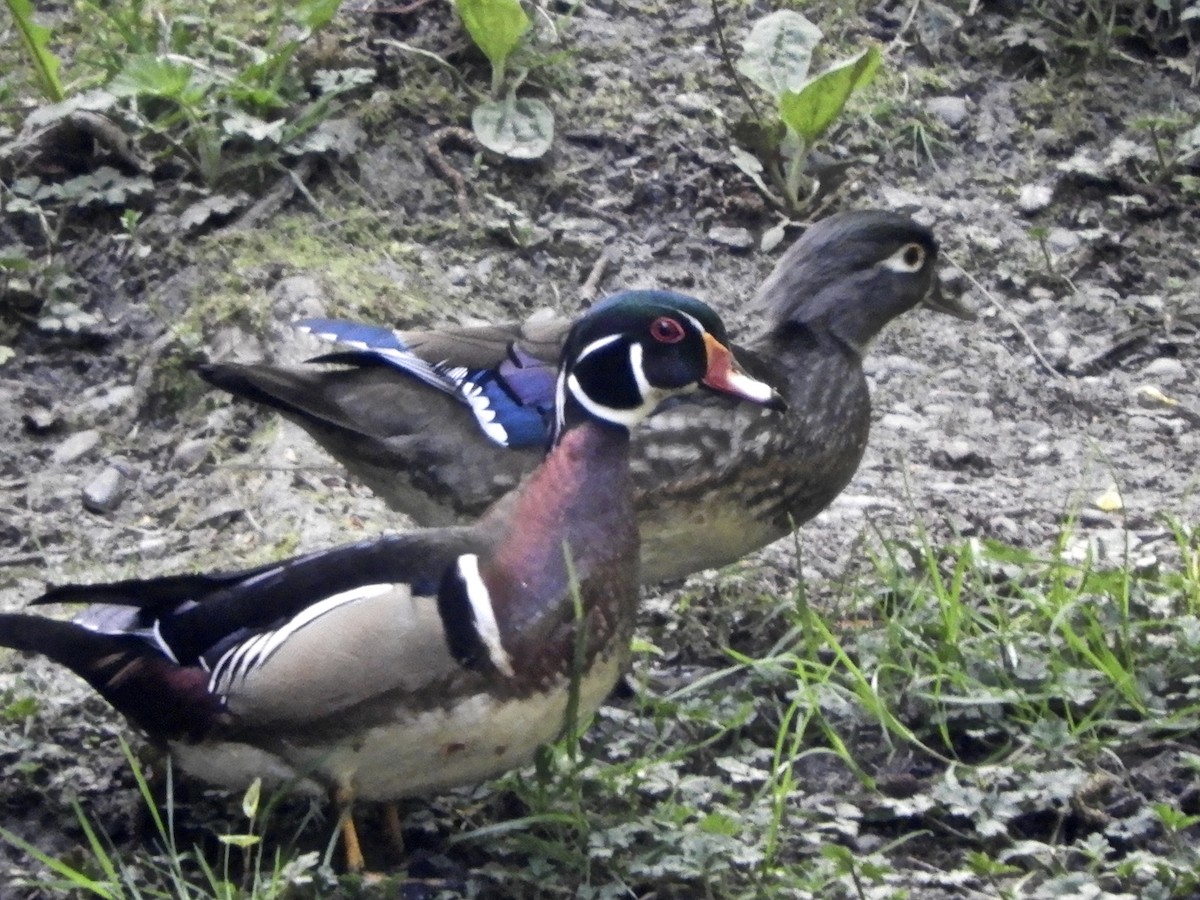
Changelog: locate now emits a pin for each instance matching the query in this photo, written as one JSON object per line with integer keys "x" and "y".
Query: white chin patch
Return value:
{"x": 628, "y": 417}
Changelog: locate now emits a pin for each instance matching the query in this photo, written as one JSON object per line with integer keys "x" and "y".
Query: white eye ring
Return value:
{"x": 908, "y": 259}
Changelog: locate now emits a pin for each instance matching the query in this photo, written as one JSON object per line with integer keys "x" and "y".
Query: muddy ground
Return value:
{"x": 1020, "y": 150}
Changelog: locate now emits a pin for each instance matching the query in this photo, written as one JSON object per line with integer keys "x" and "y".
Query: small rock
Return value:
{"x": 111, "y": 399}
{"x": 1090, "y": 517}
{"x": 1107, "y": 545}
{"x": 951, "y": 110}
{"x": 957, "y": 453}
{"x": 692, "y": 103}
{"x": 957, "y": 450}
{"x": 104, "y": 493}
{"x": 484, "y": 268}
{"x": 1034, "y": 198}
{"x": 152, "y": 547}
{"x": 1154, "y": 303}
{"x": 40, "y": 420}
{"x": 190, "y": 454}
{"x": 67, "y": 317}
{"x": 218, "y": 514}
{"x": 75, "y": 446}
{"x": 1058, "y": 339}
{"x": 734, "y": 238}
{"x": 1041, "y": 453}
{"x": 294, "y": 291}
{"x": 578, "y": 236}
{"x": 147, "y": 548}
{"x": 1005, "y": 528}
{"x": 1165, "y": 368}
{"x": 884, "y": 365}
{"x": 1143, "y": 425}
{"x": 1063, "y": 240}
{"x": 901, "y": 422}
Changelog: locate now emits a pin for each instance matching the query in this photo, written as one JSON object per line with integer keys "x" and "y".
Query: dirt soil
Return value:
{"x": 1024, "y": 159}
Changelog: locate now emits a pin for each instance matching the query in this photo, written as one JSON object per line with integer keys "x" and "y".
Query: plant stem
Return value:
{"x": 497, "y": 78}
{"x": 794, "y": 174}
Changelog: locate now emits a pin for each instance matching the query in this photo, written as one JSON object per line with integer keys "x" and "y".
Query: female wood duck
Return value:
{"x": 410, "y": 663}
{"x": 712, "y": 482}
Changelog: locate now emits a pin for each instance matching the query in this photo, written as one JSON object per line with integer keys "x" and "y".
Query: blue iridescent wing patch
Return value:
{"x": 384, "y": 344}
{"x": 513, "y": 403}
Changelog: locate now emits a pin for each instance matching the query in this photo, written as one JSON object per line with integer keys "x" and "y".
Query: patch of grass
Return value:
{"x": 245, "y": 870}
{"x": 1016, "y": 689}
{"x": 972, "y": 716}
{"x": 219, "y": 93}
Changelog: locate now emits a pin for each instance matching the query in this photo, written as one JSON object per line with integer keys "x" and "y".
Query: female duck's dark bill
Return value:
{"x": 725, "y": 375}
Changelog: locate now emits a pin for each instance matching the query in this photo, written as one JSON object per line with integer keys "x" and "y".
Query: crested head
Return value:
{"x": 850, "y": 274}
{"x": 633, "y": 350}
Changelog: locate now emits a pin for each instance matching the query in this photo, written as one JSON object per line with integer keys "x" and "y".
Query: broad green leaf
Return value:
{"x": 814, "y": 107}
{"x": 36, "y": 39}
{"x": 495, "y": 26}
{"x": 152, "y": 76}
{"x": 520, "y": 129}
{"x": 778, "y": 50}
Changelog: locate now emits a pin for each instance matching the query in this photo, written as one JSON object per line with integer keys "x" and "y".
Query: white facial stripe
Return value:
{"x": 626, "y": 417}
{"x": 596, "y": 345}
{"x": 560, "y": 397}
{"x": 636, "y": 355}
{"x": 481, "y": 609}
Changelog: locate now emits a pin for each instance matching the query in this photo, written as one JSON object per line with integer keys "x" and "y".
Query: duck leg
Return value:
{"x": 343, "y": 798}
{"x": 391, "y": 821}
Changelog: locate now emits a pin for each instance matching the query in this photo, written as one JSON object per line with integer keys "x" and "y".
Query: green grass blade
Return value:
{"x": 99, "y": 853}
{"x": 36, "y": 39}
{"x": 72, "y": 875}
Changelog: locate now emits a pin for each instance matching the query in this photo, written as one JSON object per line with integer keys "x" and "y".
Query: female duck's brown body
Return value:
{"x": 712, "y": 481}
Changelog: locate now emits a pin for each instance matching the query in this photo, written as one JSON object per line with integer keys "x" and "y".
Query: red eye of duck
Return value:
{"x": 666, "y": 330}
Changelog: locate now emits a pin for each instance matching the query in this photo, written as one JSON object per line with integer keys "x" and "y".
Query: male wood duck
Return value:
{"x": 419, "y": 416}
{"x": 411, "y": 663}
